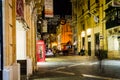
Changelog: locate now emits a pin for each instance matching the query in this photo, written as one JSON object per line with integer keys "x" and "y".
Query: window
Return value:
{"x": 97, "y": 1}
{"x": 83, "y": 26}
{"x": 107, "y": 1}
{"x": 82, "y": 11}
{"x": 83, "y": 41}
{"x": 112, "y": 15}
{"x": 88, "y": 4}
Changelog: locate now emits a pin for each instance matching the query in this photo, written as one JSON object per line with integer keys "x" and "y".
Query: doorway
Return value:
{"x": 119, "y": 44}
{"x": 83, "y": 42}
{"x": 97, "y": 42}
{"x": 89, "y": 45}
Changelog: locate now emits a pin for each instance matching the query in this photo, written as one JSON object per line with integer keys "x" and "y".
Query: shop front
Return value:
{"x": 113, "y": 42}
{"x": 113, "y": 31}
{"x": 21, "y": 46}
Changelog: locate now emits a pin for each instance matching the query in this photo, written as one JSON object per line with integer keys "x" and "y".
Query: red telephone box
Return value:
{"x": 40, "y": 51}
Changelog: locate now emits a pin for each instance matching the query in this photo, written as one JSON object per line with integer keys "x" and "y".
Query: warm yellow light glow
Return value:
{"x": 88, "y": 31}
{"x": 83, "y": 33}
{"x": 54, "y": 44}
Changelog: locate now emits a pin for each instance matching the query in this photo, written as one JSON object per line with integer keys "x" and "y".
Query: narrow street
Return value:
{"x": 76, "y": 68}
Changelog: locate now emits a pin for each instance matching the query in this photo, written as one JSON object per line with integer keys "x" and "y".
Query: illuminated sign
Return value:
{"x": 116, "y": 3}
{"x": 48, "y": 8}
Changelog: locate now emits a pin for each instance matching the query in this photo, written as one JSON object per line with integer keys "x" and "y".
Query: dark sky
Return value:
{"x": 62, "y": 7}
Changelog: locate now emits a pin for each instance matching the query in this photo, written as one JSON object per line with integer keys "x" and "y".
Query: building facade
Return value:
{"x": 19, "y": 37}
{"x": 113, "y": 28}
{"x": 92, "y": 25}
{"x": 64, "y": 34}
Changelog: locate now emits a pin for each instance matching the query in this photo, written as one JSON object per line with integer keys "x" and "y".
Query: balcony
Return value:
{"x": 112, "y": 17}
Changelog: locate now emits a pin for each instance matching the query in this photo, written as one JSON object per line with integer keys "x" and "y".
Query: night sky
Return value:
{"x": 62, "y": 7}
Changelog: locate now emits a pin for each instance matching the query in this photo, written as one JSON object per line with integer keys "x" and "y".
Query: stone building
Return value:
{"x": 19, "y": 37}
{"x": 94, "y": 27}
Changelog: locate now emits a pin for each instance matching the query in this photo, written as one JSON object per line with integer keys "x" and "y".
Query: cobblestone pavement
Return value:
{"x": 77, "y": 68}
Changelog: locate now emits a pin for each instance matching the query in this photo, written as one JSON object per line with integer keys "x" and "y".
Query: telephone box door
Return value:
{"x": 40, "y": 51}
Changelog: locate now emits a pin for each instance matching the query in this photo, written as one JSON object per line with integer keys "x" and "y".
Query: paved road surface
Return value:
{"x": 77, "y": 68}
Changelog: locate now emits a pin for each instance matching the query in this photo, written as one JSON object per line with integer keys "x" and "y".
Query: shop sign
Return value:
{"x": 44, "y": 26}
{"x": 89, "y": 39}
{"x": 48, "y": 8}
{"x": 96, "y": 19}
{"x": 116, "y": 3}
{"x": 54, "y": 20}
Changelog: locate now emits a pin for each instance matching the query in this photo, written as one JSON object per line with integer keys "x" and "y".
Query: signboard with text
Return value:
{"x": 48, "y": 8}
{"x": 116, "y": 3}
{"x": 44, "y": 28}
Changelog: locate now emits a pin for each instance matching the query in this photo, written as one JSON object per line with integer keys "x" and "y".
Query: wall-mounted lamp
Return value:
{"x": 83, "y": 34}
{"x": 89, "y": 31}
{"x": 26, "y": 27}
{"x": 96, "y": 18}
